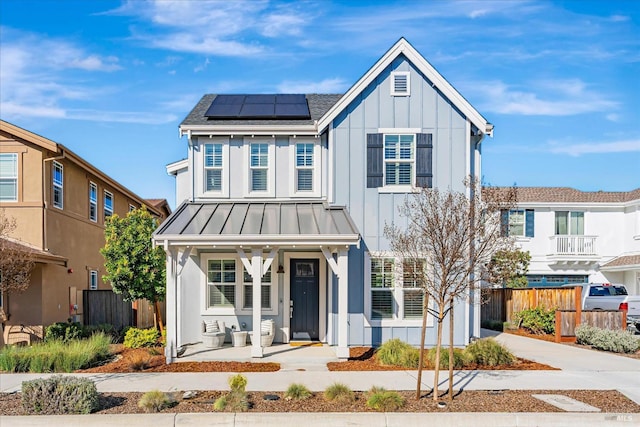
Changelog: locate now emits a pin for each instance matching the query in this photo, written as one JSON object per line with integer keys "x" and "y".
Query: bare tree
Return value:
{"x": 449, "y": 237}
{"x": 16, "y": 259}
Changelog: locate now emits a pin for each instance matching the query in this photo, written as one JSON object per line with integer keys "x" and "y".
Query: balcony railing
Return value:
{"x": 573, "y": 245}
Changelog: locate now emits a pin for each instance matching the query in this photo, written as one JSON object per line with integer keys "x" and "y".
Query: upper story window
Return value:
{"x": 93, "y": 280}
{"x": 399, "y": 157}
{"x": 93, "y": 202}
{"x": 8, "y": 177}
{"x": 518, "y": 222}
{"x": 259, "y": 167}
{"x": 400, "y": 83}
{"x": 304, "y": 167}
{"x": 569, "y": 223}
{"x": 108, "y": 204}
{"x": 398, "y": 160}
{"x": 213, "y": 167}
{"x": 132, "y": 208}
{"x": 58, "y": 185}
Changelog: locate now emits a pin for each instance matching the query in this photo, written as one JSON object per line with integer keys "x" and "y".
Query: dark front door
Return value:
{"x": 305, "y": 299}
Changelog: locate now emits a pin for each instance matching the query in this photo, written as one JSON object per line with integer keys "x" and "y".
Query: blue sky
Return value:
{"x": 112, "y": 80}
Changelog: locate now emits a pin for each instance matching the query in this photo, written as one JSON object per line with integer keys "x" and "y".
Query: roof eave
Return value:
{"x": 242, "y": 240}
{"x": 199, "y": 130}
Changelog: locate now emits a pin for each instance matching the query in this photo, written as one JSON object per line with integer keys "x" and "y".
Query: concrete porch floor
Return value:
{"x": 291, "y": 358}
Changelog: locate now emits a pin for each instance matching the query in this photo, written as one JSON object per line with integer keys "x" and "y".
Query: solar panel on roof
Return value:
{"x": 281, "y": 106}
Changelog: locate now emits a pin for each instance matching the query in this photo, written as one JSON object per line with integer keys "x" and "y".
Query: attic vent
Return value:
{"x": 401, "y": 83}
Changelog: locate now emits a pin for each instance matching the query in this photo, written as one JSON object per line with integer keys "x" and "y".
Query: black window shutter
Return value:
{"x": 504, "y": 222}
{"x": 375, "y": 162}
{"x": 528, "y": 221}
{"x": 424, "y": 160}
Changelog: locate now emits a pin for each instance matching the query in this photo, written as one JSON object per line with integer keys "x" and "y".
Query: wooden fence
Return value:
{"x": 103, "y": 306}
{"x": 501, "y": 303}
{"x": 568, "y": 320}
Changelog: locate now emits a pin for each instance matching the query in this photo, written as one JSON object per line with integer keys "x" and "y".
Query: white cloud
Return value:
{"x": 613, "y": 117}
{"x": 335, "y": 85}
{"x": 577, "y": 149}
{"x": 544, "y": 98}
{"x": 203, "y": 66}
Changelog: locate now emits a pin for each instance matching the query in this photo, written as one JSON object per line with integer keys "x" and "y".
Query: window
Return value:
{"x": 108, "y": 205}
{"x": 382, "y": 271}
{"x": 518, "y": 222}
{"x": 213, "y": 167}
{"x": 398, "y": 159}
{"x": 400, "y": 83}
{"x": 304, "y": 167}
{"x": 569, "y": 223}
{"x": 93, "y": 280}
{"x": 259, "y": 167}
{"x": 265, "y": 294}
{"x": 58, "y": 183}
{"x": 93, "y": 202}
{"x": 8, "y": 177}
{"x": 221, "y": 283}
{"x": 413, "y": 294}
{"x": 132, "y": 208}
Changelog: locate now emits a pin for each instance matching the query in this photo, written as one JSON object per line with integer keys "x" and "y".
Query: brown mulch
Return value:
{"x": 364, "y": 359}
{"x": 464, "y": 401}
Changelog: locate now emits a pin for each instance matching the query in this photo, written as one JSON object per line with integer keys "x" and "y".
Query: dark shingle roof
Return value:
{"x": 568, "y": 195}
{"x": 318, "y": 105}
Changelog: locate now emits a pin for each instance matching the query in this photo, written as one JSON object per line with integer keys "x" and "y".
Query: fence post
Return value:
{"x": 578, "y": 302}
{"x": 558, "y": 326}
{"x": 624, "y": 320}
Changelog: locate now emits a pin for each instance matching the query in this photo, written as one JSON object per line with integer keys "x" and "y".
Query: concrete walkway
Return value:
{"x": 580, "y": 369}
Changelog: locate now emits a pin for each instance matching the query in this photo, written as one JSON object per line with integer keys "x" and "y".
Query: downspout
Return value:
{"x": 192, "y": 170}
{"x": 44, "y": 198}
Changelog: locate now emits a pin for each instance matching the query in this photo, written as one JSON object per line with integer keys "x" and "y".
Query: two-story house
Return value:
{"x": 576, "y": 236}
{"x": 285, "y": 198}
{"x": 60, "y": 203}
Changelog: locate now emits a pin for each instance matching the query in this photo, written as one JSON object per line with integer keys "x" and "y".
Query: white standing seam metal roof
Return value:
{"x": 258, "y": 223}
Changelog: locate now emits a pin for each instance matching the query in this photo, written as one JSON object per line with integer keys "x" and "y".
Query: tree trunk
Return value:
{"x": 421, "y": 357}
{"x": 451, "y": 360}
{"x": 158, "y": 315}
{"x": 438, "y": 347}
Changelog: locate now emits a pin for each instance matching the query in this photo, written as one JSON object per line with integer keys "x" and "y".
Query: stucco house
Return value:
{"x": 284, "y": 198}
{"x": 578, "y": 236}
{"x": 60, "y": 203}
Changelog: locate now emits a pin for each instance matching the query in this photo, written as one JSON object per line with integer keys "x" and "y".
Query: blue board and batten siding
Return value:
{"x": 452, "y": 159}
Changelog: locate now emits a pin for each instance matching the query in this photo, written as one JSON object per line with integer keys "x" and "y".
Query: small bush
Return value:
{"x": 385, "y": 401}
{"x": 459, "y": 358}
{"x": 236, "y": 400}
{"x": 399, "y": 353}
{"x": 297, "y": 392}
{"x": 487, "y": 351}
{"x": 136, "y": 338}
{"x": 154, "y": 401}
{"x": 537, "y": 320}
{"x": 339, "y": 392}
{"x": 59, "y": 395}
{"x": 607, "y": 340}
{"x": 238, "y": 383}
{"x": 64, "y": 331}
{"x": 139, "y": 361}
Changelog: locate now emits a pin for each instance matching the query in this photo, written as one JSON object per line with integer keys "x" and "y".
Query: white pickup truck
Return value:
{"x": 608, "y": 296}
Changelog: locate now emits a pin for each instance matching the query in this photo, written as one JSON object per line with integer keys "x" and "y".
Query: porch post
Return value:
{"x": 170, "y": 351}
{"x": 343, "y": 304}
{"x": 256, "y": 274}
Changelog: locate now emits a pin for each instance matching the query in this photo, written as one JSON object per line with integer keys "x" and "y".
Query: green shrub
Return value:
{"x": 398, "y": 353}
{"x": 385, "y": 401}
{"x": 459, "y": 357}
{"x": 236, "y": 400}
{"x": 136, "y": 338}
{"x": 339, "y": 392}
{"x": 64, "y": 331}
{"x": 55, "y": 355}
{"x": 154, "y": 401}
{"x": 297, "y": 392}
{"x": 608, "y": 340}
{"x": 238, "y": 383}
{"x": 487, "y": 351}
{"x": 494, "y": 325}
{"x": 59, "y": 395}
{"x": 537, "y": 320}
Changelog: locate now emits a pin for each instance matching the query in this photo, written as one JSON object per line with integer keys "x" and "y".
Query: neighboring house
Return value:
{"x": 576, "y": 236}
{"x": 60, "y": 203}
{"x": 284, "y": 198}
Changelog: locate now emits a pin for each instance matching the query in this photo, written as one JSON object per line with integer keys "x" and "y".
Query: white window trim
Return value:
{"x": 271, "y": 167}
{"x": 398, "y": 188}
{"x": 524, "y": 223}
{"x": 94, "y": 186}
{"x": 398, "y": 294}
{"x": 131, "y": 207}
{"x": 293, "y": 171}
{"x": 54, "y": 185}
{"x": 274, "y": 292}
{"x": 204, "y": 264}
{"x": 13, "y": 178}
{"x": 392, "y": 83}
{"x": 104, "y": 204}
{"x": 92, "y": 274}
{"x": 569, "y": 231}
{"x": 200, "y": 171}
